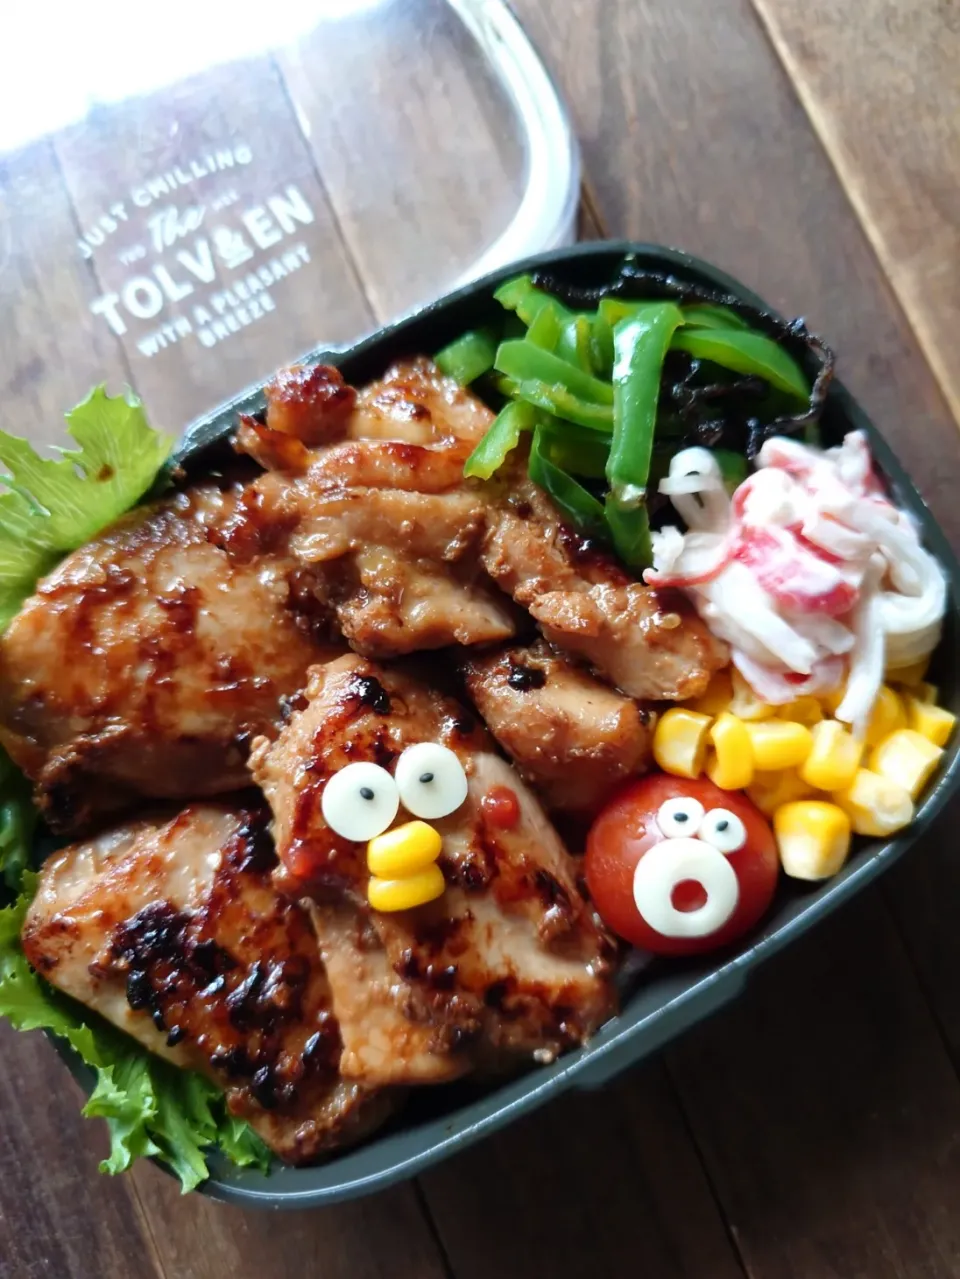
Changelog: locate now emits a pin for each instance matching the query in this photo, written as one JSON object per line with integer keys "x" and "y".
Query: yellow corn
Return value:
{"x": 745, "y": 704}
{"x": 907, "y": 758}
{"x": 813, "y": 838}
{"x": 770, "y": 790}
{"x": 875, "y": 805}
{"x": 404, "y": 894}
{"x": 886, "y": 717}
{"x": 834, "y": 757}
{"x": 680, "y": 741}
{"x": 718, "y": 696}
{"x": 933, "y": 722}
{"x": 830, "y": 701}
{"x": 912, "y": 674}
{"x": 805, "y": 710}
{"x": 404, "y": 850}
{"x": 924, "y": 692}
{"x": 778, "y": 743}
{"x": 730, "y": 765}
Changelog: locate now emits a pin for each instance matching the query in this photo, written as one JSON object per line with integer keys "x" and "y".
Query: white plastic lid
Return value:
{"x": 191, "y": 196}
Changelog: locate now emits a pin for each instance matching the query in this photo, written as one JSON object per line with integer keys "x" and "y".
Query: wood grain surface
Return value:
{"x": 811, "y": 1131}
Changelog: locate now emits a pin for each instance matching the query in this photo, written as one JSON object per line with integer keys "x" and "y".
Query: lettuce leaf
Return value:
{"x": 52, "y": 506}
{"x": 151, "y": 1108}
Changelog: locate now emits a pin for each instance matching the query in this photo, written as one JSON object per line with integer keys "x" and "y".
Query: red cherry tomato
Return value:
{"x": 680, "y": 867}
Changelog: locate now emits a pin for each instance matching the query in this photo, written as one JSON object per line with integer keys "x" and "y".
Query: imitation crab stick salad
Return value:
{"x": 369, "y": 742}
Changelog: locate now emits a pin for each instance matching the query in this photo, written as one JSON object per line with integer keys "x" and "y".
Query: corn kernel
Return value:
{"x": 404, "y": 894}
{"x": 745, "y": 704}
{"x": 830, "y": 701}
{"x": 912, "y": 674}
{"x": 924, "y": 692}
{"x": 875, "y": 805}
{"x": 935, "y": 723}
{"x": 907, "y": 758}
{"x": 718, "y": 696}
{"x": 680, "y": 741}
{"x": 834, "y": 757}
{"x": 730, "y": 765}
{"x": 404, "y": 850}
{"x": 777, "y": 743}
{"x": 813, "y": 838}
{"x": 769, "y": 790}
{"x": 805, "y": 710}
{"x": 887, "y": 716}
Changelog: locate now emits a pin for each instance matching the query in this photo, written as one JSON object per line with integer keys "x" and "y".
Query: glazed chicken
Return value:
{"x": 145, "y": 662}
{"x": 510, "y": 960}
{"x": 571, "y": 736}
{"x": 384, "y": 524}
{"x": 171, "y": 930}
{"x": 649, "y": 644}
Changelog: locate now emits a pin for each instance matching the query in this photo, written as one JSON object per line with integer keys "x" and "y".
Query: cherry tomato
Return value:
{"x": 678, "y": 867}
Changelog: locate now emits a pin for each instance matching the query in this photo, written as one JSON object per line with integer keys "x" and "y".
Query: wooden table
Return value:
{"x": 813, "y": 1130}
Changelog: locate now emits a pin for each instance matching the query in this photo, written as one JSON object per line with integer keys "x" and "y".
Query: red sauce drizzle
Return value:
{"x": 501, "y": 807}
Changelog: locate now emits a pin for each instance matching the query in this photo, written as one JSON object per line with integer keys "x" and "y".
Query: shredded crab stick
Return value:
{"x": 809, "y": 572}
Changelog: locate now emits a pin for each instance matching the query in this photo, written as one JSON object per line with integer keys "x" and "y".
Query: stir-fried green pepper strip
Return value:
{"x": 733, "y": 467}
{"x": 470, "y": 356}
{"x": 528, "y": 363}
{"x": 570, "y": 497}
{"x": 747, "y": 352}
{"x": 523, "y": 297}
{"x": 501, "y": 439}
{"x": 577, "y": 451}
{"x": 545, "y": 329}
{"x": 559, "y": 401}
{"x": 704, "y": 315}
{"x": 640, "y": 342}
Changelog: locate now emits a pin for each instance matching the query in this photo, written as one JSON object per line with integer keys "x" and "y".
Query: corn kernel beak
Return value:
{"x": 403, "y": 850}
{"x": 404, "y": 894}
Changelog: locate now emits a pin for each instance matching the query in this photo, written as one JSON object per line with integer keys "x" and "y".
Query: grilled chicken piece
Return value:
{"x": 649, "y": 644}
{"x": 510, "y": 960}
{"x": 147, "y": 659}
{"x": 571, "y": 736}
{"x": 172, "y": 930}
{"x": 383, "y": 523}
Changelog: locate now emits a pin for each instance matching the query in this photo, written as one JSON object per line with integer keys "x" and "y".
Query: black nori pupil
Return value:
{"x": 366, "y": 792}
{"x": 681, "y": 817}
{"x": 723, "y": 824}
{"x": 426, "y": 777}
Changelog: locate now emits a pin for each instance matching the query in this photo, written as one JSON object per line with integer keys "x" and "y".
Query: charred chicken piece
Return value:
{"x": 384, "y": 525}
{"x": 171, "y": 930}
{"x": 144, "y": 662}
{"x": 647, "y": 643}
{"x": 571, "y": 736}
{"x": 510, "y": 961}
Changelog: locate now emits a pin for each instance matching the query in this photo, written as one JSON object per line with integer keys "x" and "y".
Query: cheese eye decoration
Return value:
{"x": 360, "y": 801}
{"x": 431, "y": 780}
{"x": 723, "y": 830}
{"x": 680, "y": 816}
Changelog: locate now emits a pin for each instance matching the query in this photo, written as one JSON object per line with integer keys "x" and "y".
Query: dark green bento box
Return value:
{"x": 666, "y": 1000}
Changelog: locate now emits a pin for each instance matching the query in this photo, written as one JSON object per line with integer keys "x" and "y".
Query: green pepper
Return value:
{"x": 641, "y": 341}
{"x": 469, "y": 356}
{"x": 733, "y": 467}
{"x": 528, "y": 363}
{"x": 575, "y": 450}
{"x": 748, "y": 352}
{"x": 562, "y": 403}
{"x": 573, "y": 501}
{"x": 545, "y": 329}
{"x": 704, "y": 315}
{"x": 501, "y": 438}
{"x": 522, "y": 296}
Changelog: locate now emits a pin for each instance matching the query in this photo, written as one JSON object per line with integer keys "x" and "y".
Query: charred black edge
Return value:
{"x": 634, "y": 282}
